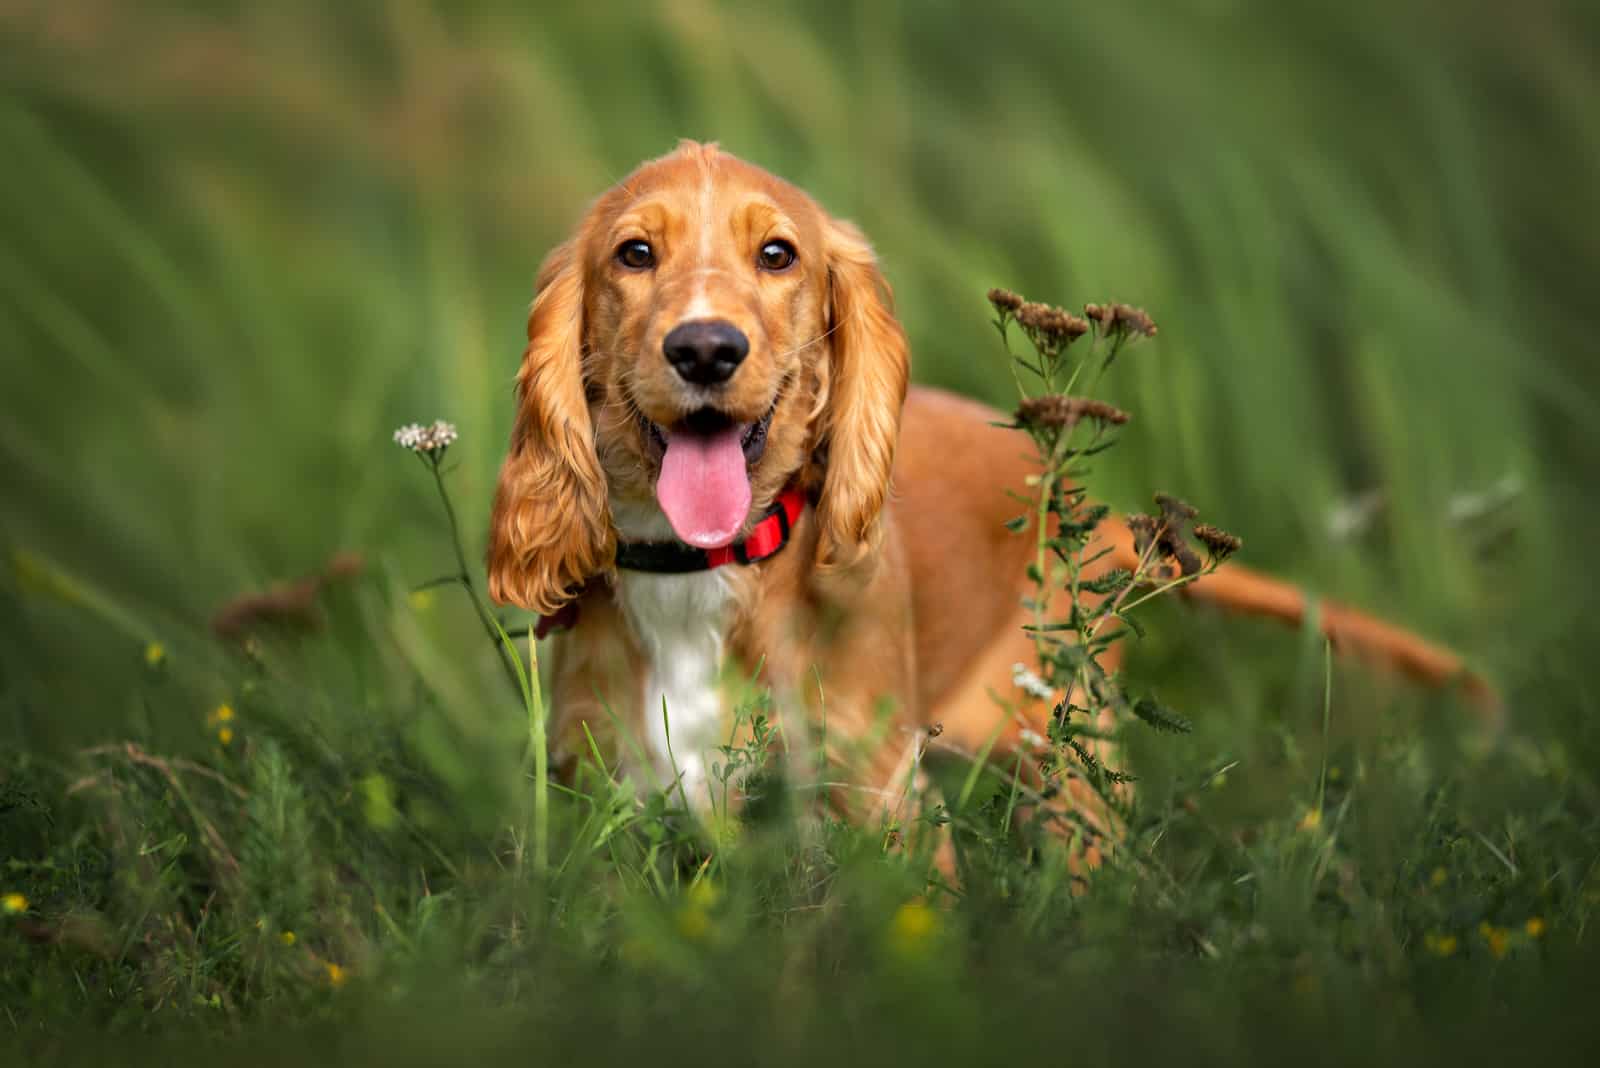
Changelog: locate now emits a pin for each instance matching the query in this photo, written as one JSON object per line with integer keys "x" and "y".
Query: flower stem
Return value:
{"x": 464, "y": 576}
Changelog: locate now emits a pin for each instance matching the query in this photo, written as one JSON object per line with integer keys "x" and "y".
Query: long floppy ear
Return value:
{"x": 551, "y": 527}
{"x": 868, "y": 370}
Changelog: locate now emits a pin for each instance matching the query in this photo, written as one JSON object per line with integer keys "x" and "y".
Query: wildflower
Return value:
{"x": 1440, "y": 874}
{"x": 694, "y": 917}
{"x": 1219, "y": 543}
{"x": 1031, "y": 684}
{"x": 155, "y": 654}
{"x": 704, "y": 894}
{"x": 1175, "y": 516}
{"x": 1534, "y": 927}
{"x": 912, "y": 928}
{"x": 336, "y": 974}
{"x": 1440, "y": 945}
{"x": 225, "y": 735}
{"x": 1498, "y": 938}
{"x": 694, "y": 922}
{"x": 1143, "y": 528}
{"x": 1121, "y": 319}
{"x": 1311, "y": 820}
{"x": 286, "y": 937}
{"x": 429, "y": 440}
{"x": 1174, "y": 508}
{"x": 1049, "y": 325}
{"x": 1059, "y": 410}
{"x": 13, "y": 904}
{"x": 223, "y": 713}
{"x": 1004, "y": 300}
{"x": 420, "y": 600}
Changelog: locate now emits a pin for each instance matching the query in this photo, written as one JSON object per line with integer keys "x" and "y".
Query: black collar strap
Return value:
{"x": 767, "y": 537}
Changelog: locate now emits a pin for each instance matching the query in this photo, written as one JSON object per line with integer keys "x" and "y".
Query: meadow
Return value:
{"x": 242, "y": 243}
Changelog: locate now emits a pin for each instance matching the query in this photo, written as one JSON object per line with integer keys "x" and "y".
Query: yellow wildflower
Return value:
{"x": 13, "y": 904}
{"x": 155, "y": 654}
{"x": 336, "y": 974}
{"x": 1311, "y": 820}
{"x": 421, "y": 600}
{"x": 286, "y": 937}
{"x": 1497, "y": 937}
{"x": 1534, "y": 927}
{"x": 1441, "y": 945}
{"x": 1440, "y": 874}
{"x": 225, "y": 735}
{"x": 914, "y": 925}
{"x": 694, "y": 922}
{"x": 704, "y": 894}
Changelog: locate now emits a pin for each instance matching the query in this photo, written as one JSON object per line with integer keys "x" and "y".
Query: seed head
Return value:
{"x": 1062, "y": 411}
{"x": 1175, "y": 509}
{"x": 1051, "y": 324}
{"x": 1121, "y": 319}
{"x": 1144, "y": 532}
{"x": 1218, "y": 542}
{"x": 1004, "y": 300}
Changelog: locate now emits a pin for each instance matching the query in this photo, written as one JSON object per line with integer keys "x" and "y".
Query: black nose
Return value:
{"x": 706, "y": 351}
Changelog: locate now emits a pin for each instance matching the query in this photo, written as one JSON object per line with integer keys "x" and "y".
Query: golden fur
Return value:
{"x": 906, "y": 601}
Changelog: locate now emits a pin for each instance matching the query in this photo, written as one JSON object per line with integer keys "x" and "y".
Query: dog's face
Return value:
{"x": 707, "y": 313}
{"x": 708, "y": 335}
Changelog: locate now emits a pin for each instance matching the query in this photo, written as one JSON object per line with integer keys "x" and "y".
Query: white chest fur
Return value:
{"x": 681, "y": 623}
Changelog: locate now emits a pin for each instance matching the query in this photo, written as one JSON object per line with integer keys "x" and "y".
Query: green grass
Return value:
{"x": 241, "y": 246}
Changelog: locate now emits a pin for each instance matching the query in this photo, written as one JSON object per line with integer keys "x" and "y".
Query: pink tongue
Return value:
{"x": 703, "y": 486}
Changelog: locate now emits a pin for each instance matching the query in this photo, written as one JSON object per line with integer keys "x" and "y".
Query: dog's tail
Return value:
{"x": 1239, "y": 589}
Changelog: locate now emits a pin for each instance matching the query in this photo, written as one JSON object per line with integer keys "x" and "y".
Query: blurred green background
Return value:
{"x": 241, "y": 243}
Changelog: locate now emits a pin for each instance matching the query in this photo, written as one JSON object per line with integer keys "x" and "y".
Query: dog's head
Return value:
{"x": 707, "y": 335}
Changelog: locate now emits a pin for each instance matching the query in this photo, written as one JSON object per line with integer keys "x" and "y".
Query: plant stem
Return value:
{"x": 464, "y": 576}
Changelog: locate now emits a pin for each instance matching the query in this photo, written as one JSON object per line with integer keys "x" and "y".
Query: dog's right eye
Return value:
{"x": 635, "y": 255}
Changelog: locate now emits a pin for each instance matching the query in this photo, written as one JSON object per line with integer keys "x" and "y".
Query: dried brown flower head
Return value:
{"x": 1144, "y": 532}
{"x": 1056, "y": 409}
{"x": 1004, "y": 300}
{"x": 1051, "y": 323}
{"x": 1168, "y": 534}
{"x": 1175, "y": 510}
{"x": 1121, "y": 318}
{"x": 1218, "y": 542}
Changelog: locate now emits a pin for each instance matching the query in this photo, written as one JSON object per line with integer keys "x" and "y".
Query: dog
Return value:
{"x": 718, "y": 467}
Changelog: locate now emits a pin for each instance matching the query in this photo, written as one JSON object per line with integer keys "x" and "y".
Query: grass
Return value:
{"x": 241, "y": 246}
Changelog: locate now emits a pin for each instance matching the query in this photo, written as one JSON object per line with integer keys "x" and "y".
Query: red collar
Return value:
{"x": 766, "y": 538}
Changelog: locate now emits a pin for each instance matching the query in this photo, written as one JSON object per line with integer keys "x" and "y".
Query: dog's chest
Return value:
{"x": 681, "y": 622}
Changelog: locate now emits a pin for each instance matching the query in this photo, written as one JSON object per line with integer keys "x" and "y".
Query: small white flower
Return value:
{"x": 1031, "y": 684}
{"x": 434, "y": 438}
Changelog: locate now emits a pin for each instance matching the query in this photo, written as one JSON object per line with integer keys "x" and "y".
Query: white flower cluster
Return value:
{"x": 1031, "y": 684}
{"x": 426, "y": 439}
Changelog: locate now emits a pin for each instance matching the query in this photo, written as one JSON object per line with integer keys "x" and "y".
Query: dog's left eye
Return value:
{"x": 776, "y": 256}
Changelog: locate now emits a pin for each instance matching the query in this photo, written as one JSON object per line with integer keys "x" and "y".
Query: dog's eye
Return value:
{"x": 636, "y": 255}
{"x": 776, "y": 256}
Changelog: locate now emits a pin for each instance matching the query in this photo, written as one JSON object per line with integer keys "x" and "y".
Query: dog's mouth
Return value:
{"x": 703, "y": 484}
{"x": 708, "y": 422}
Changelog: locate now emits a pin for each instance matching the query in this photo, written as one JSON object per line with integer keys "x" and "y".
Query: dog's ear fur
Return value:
{"x": 869, "y": 367}
{"x": 551, "y": 526}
